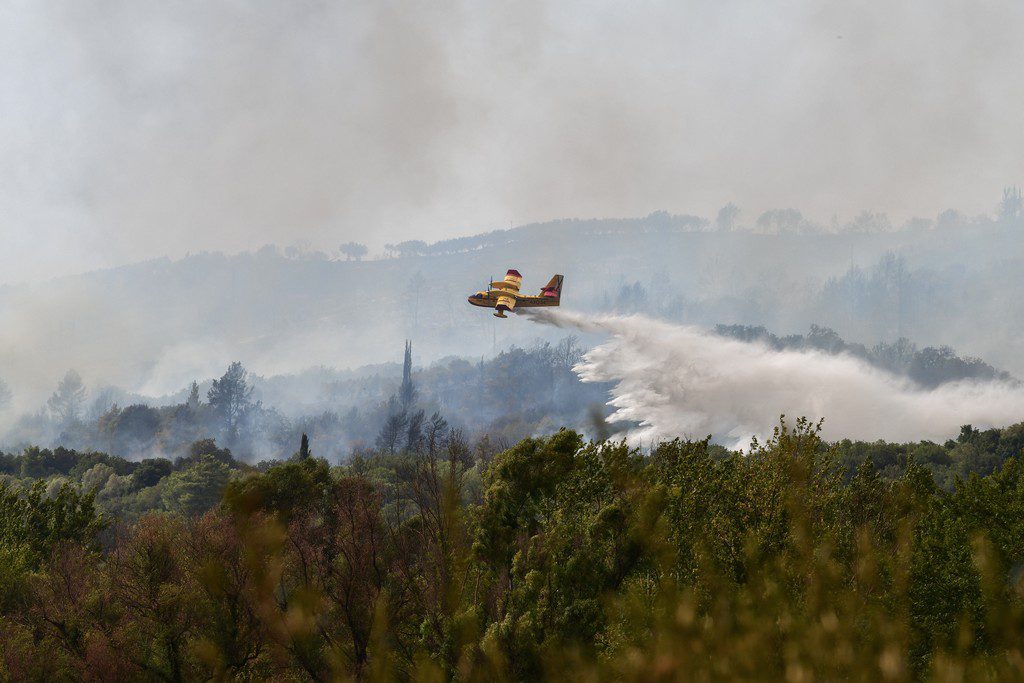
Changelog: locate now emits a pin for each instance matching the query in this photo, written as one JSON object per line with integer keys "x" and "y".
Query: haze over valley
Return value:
{"x": 145, "y": 332}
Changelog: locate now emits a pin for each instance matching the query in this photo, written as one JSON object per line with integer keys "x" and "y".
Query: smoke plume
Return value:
{"x": 678, "y": 380}
{"x": 134, "y": 129}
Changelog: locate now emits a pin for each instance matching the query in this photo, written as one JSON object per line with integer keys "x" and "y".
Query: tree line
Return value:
{"x": 246, "y": 413}
{"x": 777, "y": 221}
{"x": 927, "y": 367}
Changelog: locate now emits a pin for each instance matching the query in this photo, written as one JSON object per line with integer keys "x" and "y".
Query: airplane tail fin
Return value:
{"x": 553, "y": 288}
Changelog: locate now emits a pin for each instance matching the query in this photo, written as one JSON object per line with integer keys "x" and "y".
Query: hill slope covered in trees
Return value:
{"x": 153, "y": 327}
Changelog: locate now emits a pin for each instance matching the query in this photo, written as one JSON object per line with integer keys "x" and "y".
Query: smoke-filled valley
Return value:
{"x": 303, "y": 322}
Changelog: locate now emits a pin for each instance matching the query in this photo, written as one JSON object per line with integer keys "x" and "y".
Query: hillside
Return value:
{"x": 153, "y": 327}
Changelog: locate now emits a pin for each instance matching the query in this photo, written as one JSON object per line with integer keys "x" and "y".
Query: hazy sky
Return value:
{"x": 138, "y": 128}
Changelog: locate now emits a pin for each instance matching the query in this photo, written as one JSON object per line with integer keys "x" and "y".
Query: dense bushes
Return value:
{"x": 567, "y": 560}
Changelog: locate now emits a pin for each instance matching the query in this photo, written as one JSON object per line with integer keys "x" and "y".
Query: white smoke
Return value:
{"x": 679, "y": 380}
{"x": 134, "y": 129}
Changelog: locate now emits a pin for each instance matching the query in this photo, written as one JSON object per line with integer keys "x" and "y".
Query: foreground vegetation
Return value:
{"x": 555, "y": 558}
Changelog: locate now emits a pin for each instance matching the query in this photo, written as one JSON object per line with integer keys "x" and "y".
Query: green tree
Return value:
{"x": 1012, "y": 205}
{"x": 96, "y": 477}
{"x": 353, "y": 250}
{"x": 391, "y": 432}
{"x": 133, "y": 430}
{"x": 198, "y": 449}
{"x": 150, "y": 471}
{"x": 66, "y": 402}
{"x": 151, "y": 578}
{"x": 197, "y": 488}
{"x": 727, "y": 216}
{"x": 230, "y": 398}
{"x": 32, "y": 524}
{"x": 283, "y": 490}
{"x": 193, "y": 399}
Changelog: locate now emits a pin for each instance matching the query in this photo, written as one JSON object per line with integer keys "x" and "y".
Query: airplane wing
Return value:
{"x": 511, "y": 282}
{"x": 507, "y": 291}
{"x": 506, "y": 302}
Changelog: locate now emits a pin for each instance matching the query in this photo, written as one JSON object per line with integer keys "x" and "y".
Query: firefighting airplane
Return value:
{"x": 504, "y": 295}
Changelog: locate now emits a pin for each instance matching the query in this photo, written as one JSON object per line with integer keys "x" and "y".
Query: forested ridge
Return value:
{"x": 261, "y": 417}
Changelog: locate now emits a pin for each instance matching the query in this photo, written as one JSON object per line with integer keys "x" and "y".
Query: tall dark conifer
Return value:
{"x": 407, "y": 394}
